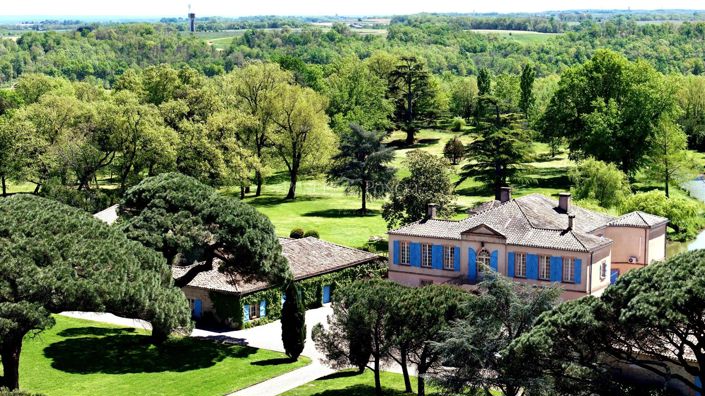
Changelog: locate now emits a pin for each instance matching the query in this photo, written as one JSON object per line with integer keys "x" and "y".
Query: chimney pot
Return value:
{"x": 432, "y": 210}
{"x": 505, "y": 194}
{"x": 571, "y": 221}
{"x": 564, "y": 201}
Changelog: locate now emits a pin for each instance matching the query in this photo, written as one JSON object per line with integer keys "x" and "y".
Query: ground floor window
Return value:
{"x": 483, "y": 261}
{"x": 448, "y": 257}
{"x": 544, "y": 267}
{"x": 254, "y": 311}
{"x": 603, "y": 270}
{"x": 426, "y": 255}
{"x": 568, "y": 269}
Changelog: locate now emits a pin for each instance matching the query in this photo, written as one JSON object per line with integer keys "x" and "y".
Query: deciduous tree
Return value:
{"x": 528, "y": 75}
{"x": 668, "y": 160}
{"x": 599, "y": 181}
{"x": 428, "y": 182}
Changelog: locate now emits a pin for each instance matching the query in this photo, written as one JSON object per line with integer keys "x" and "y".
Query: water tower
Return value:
{"x": 191, "y": 20}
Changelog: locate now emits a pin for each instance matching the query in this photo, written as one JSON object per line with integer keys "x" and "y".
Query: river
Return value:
{"x": 696, "y": 188}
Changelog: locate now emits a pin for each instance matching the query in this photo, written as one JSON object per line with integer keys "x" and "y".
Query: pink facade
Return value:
{"x": 578, "y": 253}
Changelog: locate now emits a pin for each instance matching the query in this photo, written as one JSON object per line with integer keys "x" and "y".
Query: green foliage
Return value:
{"x": 668, "y": 160}
{"x": 608, "y": 108}
{"x": 228, "y": 309}
{"x": 641, "y": 320}
{"x": 312, "y": 233}
{"x": 528, "y": 75}
{"x": 188, "y": 221}
{"x": 59, "y": 255}
{"x": 463, "y": 93}
{"x": 599, "y": 181}
{"x": 500, "y": 155}
{"x": 297, "y": 233}
{"x": 428, "y": 182}
{"x": 691, "y": 97}
{"x": 293, "y": 320}
{"x": 454, "y": 150}
{"x": 503, "y": 311}
{"x": 484, "y": 82}
{"x": 362, "y": 164}
{"x": 357, "y": 96}
{"x": 457, "y": 124}
{"x": 413, "y": 95}
{"x": 684, "y": 215}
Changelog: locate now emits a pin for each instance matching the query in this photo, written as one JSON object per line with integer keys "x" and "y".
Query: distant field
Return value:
{"x": 522, "y": 36}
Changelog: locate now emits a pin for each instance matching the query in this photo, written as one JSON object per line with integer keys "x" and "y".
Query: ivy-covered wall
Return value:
{"x": 229, "y": 308}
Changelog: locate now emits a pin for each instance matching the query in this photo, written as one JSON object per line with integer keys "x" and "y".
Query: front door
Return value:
{"x": 197, "y": 309}
{"x": 326, "y": 294}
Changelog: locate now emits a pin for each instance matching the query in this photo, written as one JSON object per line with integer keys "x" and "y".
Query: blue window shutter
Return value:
{"x": 197, "y": 308}
{"x": 415, "y": 253}
{"x": 472, "y": 265}
{"x": 396, "y": 252}
{"x": 699, "y": 384}
{"x": 437, "y": 257}
{"x": 456, "y": 257}
{"x": 556, "y": 268}
{"x": 532, "y": 266}
{"x": 326, "y": 294}
{"x": 246, "y": 313}
{"x": 510, "y": 264}
{"x": 578, "y": 266}
{"x": 263, "y": 308}
{"x": 494, "y": 258}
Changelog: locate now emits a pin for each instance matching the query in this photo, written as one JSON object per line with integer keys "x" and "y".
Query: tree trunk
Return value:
{"x": 36, "y": 189}
{"x": 158, "y": 336}
{"x": 4, "y": 186}
{"x": 259, "y": 181}
{"x": 293, "y": 176}
{"x": 364, "y": 198}
{"x": 10, "y": 354}
{"x": 378, "y": 383}
{"x": 242, "y": 192}
{"x": 421, "y": 384}
{"x": 409, "y": 136}
{"x": 405, "y": 371}
{"x": 667, "y": 180}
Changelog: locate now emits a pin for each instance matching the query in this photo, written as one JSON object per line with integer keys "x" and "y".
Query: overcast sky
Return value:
{"x": 234, "y": 8}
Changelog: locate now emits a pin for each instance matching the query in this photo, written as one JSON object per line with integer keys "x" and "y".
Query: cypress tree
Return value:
{"x": 293, "y": 322}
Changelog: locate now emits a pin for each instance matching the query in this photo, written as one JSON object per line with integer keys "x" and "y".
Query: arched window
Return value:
{"x": 483, "y": 260}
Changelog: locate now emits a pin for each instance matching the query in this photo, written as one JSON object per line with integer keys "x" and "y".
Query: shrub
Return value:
{"x": 458, "y": 124}
{"x": 599, "y": 181}
{"x": 683, "y": 213}
{"x": 312, "y": 233}
{"x": 297, "y": 233}
{"x": 454, "y": 150}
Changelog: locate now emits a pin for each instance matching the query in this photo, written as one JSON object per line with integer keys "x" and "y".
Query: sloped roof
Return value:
{"x": 533, "y": 220}
{"x": 307, "y": 257}
{"x": 638, "y": 219}
{"x": 108, "y": 215}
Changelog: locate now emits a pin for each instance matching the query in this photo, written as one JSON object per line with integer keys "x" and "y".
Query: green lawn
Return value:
{"x": 349, "y": 383}
{"x": 78, "y": 357}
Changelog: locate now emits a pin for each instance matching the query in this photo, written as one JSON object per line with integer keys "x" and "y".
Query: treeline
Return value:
{"x": 549, "y": 24}
{"x": 216, "y": 24}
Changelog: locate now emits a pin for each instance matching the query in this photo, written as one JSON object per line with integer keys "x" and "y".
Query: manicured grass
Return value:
{"x": 350, "y": 383}
{"x": 78, "y": 357}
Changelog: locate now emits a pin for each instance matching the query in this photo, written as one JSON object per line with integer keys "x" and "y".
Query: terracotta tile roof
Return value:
{"x": 533, "y": 220}
{"x": 638, "y": 219}
{"x": 307, "y": 257}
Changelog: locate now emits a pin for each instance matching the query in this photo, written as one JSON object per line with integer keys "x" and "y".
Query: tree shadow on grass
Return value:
{"x": 270, "y": 201}
{"x": 419, "y": 143}
{"x": 93, "y": 331}
{"x": 360, "y": 390}
{"x": 272, "y": 362}
{"x": 124, "y": 352}
{"x": 336, "y": 213}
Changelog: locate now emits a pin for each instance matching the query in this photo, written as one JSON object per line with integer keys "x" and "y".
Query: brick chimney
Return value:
{"x": 571, "y": 220}
{"x": 505, "y": 194}
{"x": 431, "y": 211}
{"x": 564, "y": 201}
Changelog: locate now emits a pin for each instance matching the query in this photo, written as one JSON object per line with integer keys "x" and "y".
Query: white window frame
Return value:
{"x": 426, "y": 255}
{"x": 544, "y": 267}
{"x": 519, "y": 265}
{"x": 568, "y": 270}
{"x": 405, "y": 252}
{"x": 483, "y": 260}
{"x": 449, "y": 257}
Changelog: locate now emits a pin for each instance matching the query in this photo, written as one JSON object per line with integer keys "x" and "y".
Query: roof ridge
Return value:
{"x": 335, "y": 244}
{"x": 578, "y": 239}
